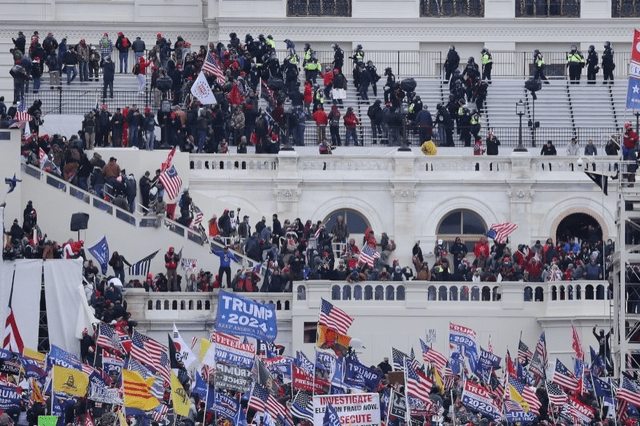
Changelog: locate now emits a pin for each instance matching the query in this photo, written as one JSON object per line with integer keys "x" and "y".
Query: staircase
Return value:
{"x": 122, "y": 226}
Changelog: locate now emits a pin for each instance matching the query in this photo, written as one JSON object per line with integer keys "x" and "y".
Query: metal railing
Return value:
{"x": 74, "y": 101}
{"x": 405, "y": 63}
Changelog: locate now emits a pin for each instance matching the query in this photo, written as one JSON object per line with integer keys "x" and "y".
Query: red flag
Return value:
{"x": 511, "y": 370}
{"x": 167, "y": 163}
{"x": 576, "y": 344}
{"x": 12, "y": 338}
{"x": 88, "y": 421}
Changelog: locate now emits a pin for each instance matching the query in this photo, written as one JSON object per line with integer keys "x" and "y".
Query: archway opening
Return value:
{"x": 581, "y": 226}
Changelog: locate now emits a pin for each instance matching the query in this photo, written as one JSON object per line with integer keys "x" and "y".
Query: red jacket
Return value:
{"x": 308, "y": 94}
{"x": 327, "y": 77}
{"x": 143, "y": 65}
{"x": 320, "y": 117}
{"x": 350, "y": 120}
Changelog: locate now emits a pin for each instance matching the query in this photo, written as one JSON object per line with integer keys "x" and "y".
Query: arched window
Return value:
{"x": 528, "y": 294}
{"x": 356, "y": 222}
{"x": 464, "y": 293}
{"x": 453, "y": 293}
{"x": 379, "y": 292}
{"x": 390, "y": 293}
{"x": 150, "y": 305}
{"x": 357, "y": 292}
{"x": 346, "y": 292}
{"x": 539, "y": 294}
{"x": 335, "y": 292}
{"x": 400, "y": 292}
{"x": 302, "y": 292}
{"x": 463, "y": 223}
{"x": 442, "y": 293}
{"x": 431, "y": 291}
{"x": 588, "y": 292}
{"x": 368, "y": 292}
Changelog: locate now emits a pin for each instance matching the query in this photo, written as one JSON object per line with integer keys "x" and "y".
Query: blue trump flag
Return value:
{"x": 9, "y": 397}
{"x": 199, "y": 386}
{"x": 331, "y": 417}
{"x": 100, "y": 251}
{"x": 361, "y": 376}
{"x": 245, "y": 317}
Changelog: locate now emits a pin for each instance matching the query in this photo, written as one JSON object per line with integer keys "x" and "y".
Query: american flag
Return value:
{"x": 398, "y": 358}
{"x": 265, "y": 92}
{"x": 108, "y": 339}
{"x": 449, "y": 378}
{"x": 628, "y": 391}
{"x": 512, "y": 405}
{"x": 302, "y": 406}
{"x": 528, "y": 394}
{"x": 212, "y": 66}
{"x": 88, "y": 420}
{"x": 540, "y": 359}
{"x": 501, "y": 231}
{"x": 489, "y": 345}
{"x": 198, "y": 216}
{"x": 12, "y": 338}
{"x": 576, "y": 344}
{"x": 564, "y": 377}
{"x": 262, "y": 400}
{"x": 368, "y": 255}
{"x": 418, "y": 385}
{"x": 21, "y": 114}
{"x": 433, "y": 356}
{"x": 524, "y": 354}
{"x": 556, "y": 395}
{"x": 160, "y": 412}
{"x": 171, "y": 182}
{"x": 146, "y": 350}
{"x": 334, "y": 318}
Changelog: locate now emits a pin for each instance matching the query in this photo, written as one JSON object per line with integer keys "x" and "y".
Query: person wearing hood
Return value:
{"x": 334, "y": 125}
{"x": 108, "y": 74}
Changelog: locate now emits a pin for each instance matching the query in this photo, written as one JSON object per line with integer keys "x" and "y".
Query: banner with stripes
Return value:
{"x": 142, "y": 266}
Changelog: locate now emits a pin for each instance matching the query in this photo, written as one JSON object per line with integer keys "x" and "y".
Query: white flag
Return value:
{"x": 202, "y": 90}
{"x": 184, "y": 352}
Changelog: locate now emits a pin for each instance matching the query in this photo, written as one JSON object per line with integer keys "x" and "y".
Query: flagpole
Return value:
{"x": 406, "y": 392}
{"x": 594, "y": 390}
{"x": 453, "y": 404}
{"x": 615, "y": 404}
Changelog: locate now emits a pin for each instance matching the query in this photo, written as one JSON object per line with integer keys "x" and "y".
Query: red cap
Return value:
{"x": 147, "y": 110}
{"x": 120, "y": 33}
{"x": 106, "y": 34}
{"x": 159, "y": 35}
{"x": 104, "y": 106}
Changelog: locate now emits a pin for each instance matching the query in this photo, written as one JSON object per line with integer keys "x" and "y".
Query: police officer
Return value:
{"x": 389, "y": 85}
{"x": 538, "y": 66}
{"x": 358, "y": 55}
{"x": 451, "y": 63}
{"x": 338, "y": 57}
{"x": 307, "y": 54}
{"x": 487, "y": 64}
{"x": 472, "y": 73}
{"x": 592, "y": 65}
{"x": 607, "y": 63}
{"x": 575, "y": 63}
{"x": 373, "y": 73}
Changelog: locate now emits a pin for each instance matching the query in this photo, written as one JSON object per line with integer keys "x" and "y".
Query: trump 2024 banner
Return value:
{"x": 362, "y": 409}
{"x": 245, "y": 317}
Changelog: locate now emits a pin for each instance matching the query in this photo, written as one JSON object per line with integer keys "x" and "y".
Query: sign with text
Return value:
{"x": 232, "y": 377}
{"x": 233, "y": 351}
{"x": 478, "y": 399}
{"x": 245, "y": 317}
{"x": 361, "y": 409}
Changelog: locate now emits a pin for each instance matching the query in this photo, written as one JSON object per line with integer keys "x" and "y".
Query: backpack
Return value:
{"x": 125, "y": 42}
{"x": 105, "y": 42}
{"x": 136, "y": 69}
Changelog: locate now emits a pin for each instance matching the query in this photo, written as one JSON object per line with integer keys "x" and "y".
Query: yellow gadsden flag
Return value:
{"x": 181, "y": 401}
{"x": 69, "y": 381}
{"x": 137, "y": 391}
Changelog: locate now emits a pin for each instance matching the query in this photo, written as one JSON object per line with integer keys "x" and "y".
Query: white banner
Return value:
{"x": 188, "y": 265}
{"x": 202, "y": 90}
{"x": 61, "y": 279}
{"x": 106, "y": 395}
{"x": 361, "y": 409}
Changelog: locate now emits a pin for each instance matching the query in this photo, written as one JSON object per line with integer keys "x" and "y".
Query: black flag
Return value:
{"x": 600, "y": 180}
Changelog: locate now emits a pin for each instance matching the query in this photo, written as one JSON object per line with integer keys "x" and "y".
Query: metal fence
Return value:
{"x": 413, "y": 63}
{"x": 508, "y": 136}
{"x": 71, "y": 101}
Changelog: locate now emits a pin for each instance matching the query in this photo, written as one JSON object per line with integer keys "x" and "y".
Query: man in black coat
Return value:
{"x": 108, "y": 73}
{"x": 452, "y": 62}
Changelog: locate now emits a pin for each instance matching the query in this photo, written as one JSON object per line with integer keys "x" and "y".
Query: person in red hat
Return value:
{"x": 123, "y": 44}
{"x": 105, "y": 45}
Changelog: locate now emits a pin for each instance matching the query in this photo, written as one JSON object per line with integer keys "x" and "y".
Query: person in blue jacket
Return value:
{"x": 226, "y": 257}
